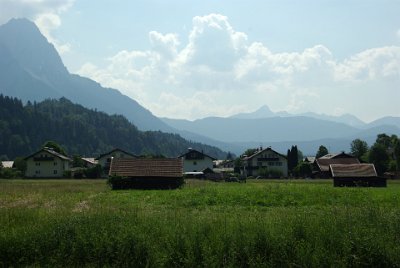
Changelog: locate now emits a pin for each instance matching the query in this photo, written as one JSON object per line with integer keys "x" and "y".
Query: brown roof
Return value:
{"x": 323, "y": 163}
{"x": 353, "y": 170}
{"x": 52, "y": 152}
{"x": 166, "y": 167}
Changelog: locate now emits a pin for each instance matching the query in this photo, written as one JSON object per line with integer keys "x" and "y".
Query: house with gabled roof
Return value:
{"x": 47, "y": 163}
{"x": 196, "y": 161}
{"x": 104, "y": 160}
{"x": 146, "y": 173}
{"x": 264, "y": 159}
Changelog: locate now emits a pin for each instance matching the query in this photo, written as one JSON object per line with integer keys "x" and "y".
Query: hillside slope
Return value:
{"x": 81, "y": 131}
{"x": 32, "y": 70}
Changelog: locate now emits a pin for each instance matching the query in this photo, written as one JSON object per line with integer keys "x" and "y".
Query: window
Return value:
{"x": 37, "y": 164}
{"x": 37, "y": 172}
{"x": 278, "y": 163}
{"x": 55, "y": 163}
{"x": 194, "y": 163}
{"x": 55, "y": 172}
{"x": 271, "y": 163}
{"x": 259, "y": 164}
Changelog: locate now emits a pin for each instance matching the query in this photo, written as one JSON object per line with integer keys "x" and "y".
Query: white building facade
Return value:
{"x": 264, "y": 160}
{"x": 195, "y": 161}
{"x": 47, "y": 163}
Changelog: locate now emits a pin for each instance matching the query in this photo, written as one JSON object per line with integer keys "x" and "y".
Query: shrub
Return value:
{"x": 94, "y": 172}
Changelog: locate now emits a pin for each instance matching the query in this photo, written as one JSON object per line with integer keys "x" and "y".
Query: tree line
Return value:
{"x": 81, "y": 131}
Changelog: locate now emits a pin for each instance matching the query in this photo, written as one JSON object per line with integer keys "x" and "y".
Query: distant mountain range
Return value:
{"x": 265, "y": 112}
{"x": 264, "y": 127}
{"x": 31, "y": 70}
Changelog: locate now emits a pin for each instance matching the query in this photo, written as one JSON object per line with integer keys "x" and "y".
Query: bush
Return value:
{"x": 303, "y": 169}
{"x": 94, "y": 172}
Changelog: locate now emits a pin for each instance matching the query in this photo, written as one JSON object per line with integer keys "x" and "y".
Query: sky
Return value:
{"x": 194, "y": 59}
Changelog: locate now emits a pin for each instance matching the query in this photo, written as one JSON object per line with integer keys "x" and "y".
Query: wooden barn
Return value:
{"x": 351, "y": 175}
{"x": 321, "y": 165}
{"x": 146, "y": 173}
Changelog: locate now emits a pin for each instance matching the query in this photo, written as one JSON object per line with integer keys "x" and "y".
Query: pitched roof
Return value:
{"x": 353, "y": 170}
{"x": 7, "y": 164}
{"x": 139, "y": 167}
{"x": 339, "y": 155}
{"x": 115, "y": 150}
{"x": 50, "y": 151}
{"x": 323, "y": 163}
{"x": 193, "y": 150}
{"x": 90, "y": 160}
{"x": 261, "y": 151}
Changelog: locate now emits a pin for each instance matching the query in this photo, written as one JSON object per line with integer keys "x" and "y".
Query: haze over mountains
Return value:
{"x": 31, "y": 69}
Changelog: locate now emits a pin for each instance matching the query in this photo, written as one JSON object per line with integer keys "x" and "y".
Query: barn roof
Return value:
{"x": 138, "y": 167}
{"x": 353, "y": 171}
{"x": 323, "y": 163}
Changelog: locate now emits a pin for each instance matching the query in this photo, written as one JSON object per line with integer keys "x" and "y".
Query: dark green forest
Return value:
{"x": 81, "y": 131}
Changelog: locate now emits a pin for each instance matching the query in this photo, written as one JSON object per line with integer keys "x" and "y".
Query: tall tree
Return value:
{"x": 358, "y": 148}
{"x": 379, "y": 157}
{"x": 384, "y": 140}
{"x": 322, "y": 150}
{"x": 292, "y": 157}
{"x": 397, "y": 153}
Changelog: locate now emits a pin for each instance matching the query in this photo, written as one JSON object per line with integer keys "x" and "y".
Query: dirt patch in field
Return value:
{"x": 27, "y": 202}
{"x": 81, "y": 206}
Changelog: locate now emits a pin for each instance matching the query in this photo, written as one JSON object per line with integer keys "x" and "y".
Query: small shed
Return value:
{"x": 143, "y": 173}
{"x": 352, "y": 175}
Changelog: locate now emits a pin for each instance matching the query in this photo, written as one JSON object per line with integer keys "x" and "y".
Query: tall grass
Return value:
{"x": 308, "y": 224}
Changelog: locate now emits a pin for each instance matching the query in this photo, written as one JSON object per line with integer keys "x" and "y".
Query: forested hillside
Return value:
{"x": 23, "y": 129}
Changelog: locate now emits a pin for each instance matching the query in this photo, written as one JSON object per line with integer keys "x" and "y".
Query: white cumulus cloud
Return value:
{"x": 219, "y": 72}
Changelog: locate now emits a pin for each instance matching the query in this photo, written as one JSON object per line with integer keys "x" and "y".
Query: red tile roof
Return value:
{"x": 353, "y": 171}
{"x": 166, "y": 167}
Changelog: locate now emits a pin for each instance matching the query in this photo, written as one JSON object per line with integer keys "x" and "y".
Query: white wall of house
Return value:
{"x": 46, "y": 165}
{"x": 193, "y": 165}
{"x": 265, "y": 159}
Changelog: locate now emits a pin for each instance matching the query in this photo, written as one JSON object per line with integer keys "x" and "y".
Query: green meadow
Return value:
{"x": 289, "y": 223}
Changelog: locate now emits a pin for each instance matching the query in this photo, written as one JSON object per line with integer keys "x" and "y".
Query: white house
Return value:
{"x": 47, "y": 163}
{"x": 104, "y": 160}
{"x": 264, "y": 159}
{"x": 195, "y": 161}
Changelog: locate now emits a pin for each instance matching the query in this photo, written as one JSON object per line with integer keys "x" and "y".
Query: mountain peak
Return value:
{"x": 262, "y": 112}
{"x": 23, "y": 40}
{"x": 264, "y": 109}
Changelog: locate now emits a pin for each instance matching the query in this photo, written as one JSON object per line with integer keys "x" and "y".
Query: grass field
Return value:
{"x": 204, "y": 224}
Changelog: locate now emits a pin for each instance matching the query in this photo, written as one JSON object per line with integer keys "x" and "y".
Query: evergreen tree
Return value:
{"x": 322, "y": 150}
